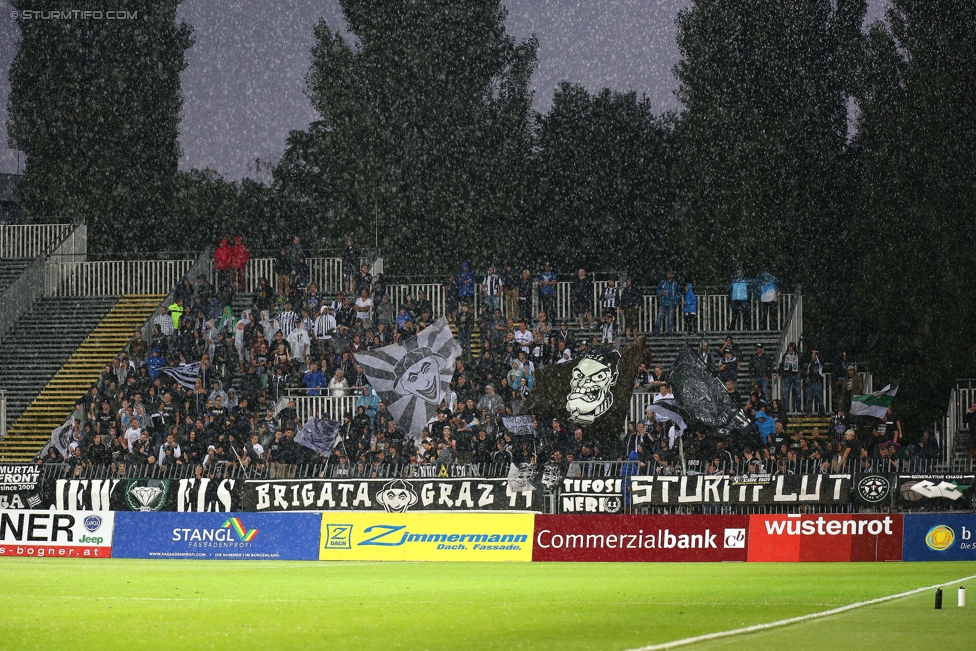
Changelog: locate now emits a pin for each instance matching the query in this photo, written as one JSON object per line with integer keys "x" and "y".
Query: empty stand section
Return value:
{"x": 53, "y": 355}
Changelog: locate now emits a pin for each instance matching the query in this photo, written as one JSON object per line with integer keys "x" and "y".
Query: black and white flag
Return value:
{"x": 185, "y": 374}
{"x": 668, "y": 408}
{"x": 61, "y": 437}
{"x": 704, "y": 397}
{"x": 318, "y": 434}
{"x": 413, "y": 376}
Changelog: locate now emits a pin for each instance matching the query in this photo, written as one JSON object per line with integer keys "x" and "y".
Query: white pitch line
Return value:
{"x": 792, "y": 620}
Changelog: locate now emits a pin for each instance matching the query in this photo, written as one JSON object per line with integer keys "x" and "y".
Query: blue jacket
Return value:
{"x": 371, "y": 402}
{"x": 671, "y": 287}
{"x": 691, "y": 301}
{"x": 766, "y": 424}
{"x": 313, "y": 380}
{"x": 465, "y": 281}
{"x": 153, "y": 364}
{"x": 739, "y": 288}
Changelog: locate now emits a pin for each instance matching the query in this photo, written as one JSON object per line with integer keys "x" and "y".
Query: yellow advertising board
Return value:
{"x": 374, "y": 536}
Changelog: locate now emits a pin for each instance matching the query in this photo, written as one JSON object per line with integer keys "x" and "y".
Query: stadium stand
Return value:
{"x": 236, "y": 323}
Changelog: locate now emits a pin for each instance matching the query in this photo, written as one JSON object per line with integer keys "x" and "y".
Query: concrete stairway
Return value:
{"x": 10, "y": 270}
{"x": 103, "y": 326}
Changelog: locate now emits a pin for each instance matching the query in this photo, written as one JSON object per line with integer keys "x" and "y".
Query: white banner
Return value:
{"x": 75, "y": 534}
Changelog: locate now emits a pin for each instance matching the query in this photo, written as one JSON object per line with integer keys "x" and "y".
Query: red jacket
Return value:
{"x": 222, "y": 256}
{"x": 239, "y": 254}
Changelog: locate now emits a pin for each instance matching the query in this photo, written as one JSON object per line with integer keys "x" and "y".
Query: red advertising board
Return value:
{"x": 825, "y": 538}
{"x": 640, "y": 538}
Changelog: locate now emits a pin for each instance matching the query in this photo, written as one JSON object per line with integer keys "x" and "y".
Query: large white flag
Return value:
{"x": 412, "y": 377}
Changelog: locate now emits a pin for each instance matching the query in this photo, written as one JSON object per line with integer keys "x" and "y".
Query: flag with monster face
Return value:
{"x": 592, "y": 392}
{"x": 411, "y": 377}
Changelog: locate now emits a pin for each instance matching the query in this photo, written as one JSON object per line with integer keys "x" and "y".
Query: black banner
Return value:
{"x": 936, "y": 491}
{"x": 143, "y": 495}
{"x": 873, "y": 489}
{"x": 591, "y": 495}
{"x": 591, "y": 392}
{"x": 20, "y": 486}
{"x": 391, "y": 495}
{"x": 748, "y": 489}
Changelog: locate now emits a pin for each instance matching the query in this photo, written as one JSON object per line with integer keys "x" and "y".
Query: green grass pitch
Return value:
{"x": 131, "y": 605}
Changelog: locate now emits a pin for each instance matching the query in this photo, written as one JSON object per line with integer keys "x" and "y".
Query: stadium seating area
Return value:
{"x": 279, "y": 342}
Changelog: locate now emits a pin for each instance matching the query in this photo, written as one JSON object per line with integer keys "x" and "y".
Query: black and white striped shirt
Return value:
{"x": 610, "y": 296}
{"x": 493, "y": 285}
{"x": 287, "y": 321}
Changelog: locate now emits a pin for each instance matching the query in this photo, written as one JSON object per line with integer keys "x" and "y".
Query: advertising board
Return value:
{"x": 77, "y": 534}
{"x": 940, "y": 537}
{"x": 230, "y": 536}
{"x": 378, "y": 536}
{"x": 640, "y": 538}
{"x": 820, "y": 538}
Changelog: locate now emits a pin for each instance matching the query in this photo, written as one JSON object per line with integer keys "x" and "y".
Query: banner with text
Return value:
{"x": 940, "y": 537}
{"x": 226, "y": 536}
{"x": 825, "y": 538}
{"x": 640, "y": 538}
{"x": 591, "y": 495}
{"x": 390, "y": 495}
{"x": 426, "y": 536}
{"x": 938, "y": 492}
{"x": 873, "y": 490}
{"x": 749, "y": 489}
{"x": 78, "y": 534}
{"x": 142, "y": 495}
{"x": 20, "y": 486}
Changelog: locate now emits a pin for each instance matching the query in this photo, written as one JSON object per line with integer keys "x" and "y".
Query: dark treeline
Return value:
{"x": 837, "y": 155}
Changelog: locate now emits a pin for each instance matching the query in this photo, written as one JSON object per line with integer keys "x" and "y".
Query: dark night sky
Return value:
{"x": 244, "y": 82}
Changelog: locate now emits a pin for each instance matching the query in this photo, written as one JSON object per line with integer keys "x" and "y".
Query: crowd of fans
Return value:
{"x": 237, "y": 411}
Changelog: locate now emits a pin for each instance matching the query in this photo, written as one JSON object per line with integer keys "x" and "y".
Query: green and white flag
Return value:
{"x": 874, "y": 404}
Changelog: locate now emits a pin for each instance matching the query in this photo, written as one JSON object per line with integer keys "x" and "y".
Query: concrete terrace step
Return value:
{"x": 109, "y": 331}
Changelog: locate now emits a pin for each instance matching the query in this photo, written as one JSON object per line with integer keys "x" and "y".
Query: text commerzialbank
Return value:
{"x": 662, "y": 539}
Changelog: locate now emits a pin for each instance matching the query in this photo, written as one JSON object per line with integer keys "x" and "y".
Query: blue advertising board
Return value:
{"x": 228, "y": 536}
{"x": 940, "y": 537}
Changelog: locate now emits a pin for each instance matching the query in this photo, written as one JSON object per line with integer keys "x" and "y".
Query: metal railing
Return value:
{"x": 31, "y": 240}
{"x": 961, "y": 398}
{"x": 112, "y": 277}
{"x": 235, "y": 470}
{"x": 325, "y": 273}
{"x": 714, "y": 314}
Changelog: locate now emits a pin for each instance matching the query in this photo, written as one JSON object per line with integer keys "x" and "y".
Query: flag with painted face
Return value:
{"x": 591, "y": 392}
{"x": 413, "y": 376}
